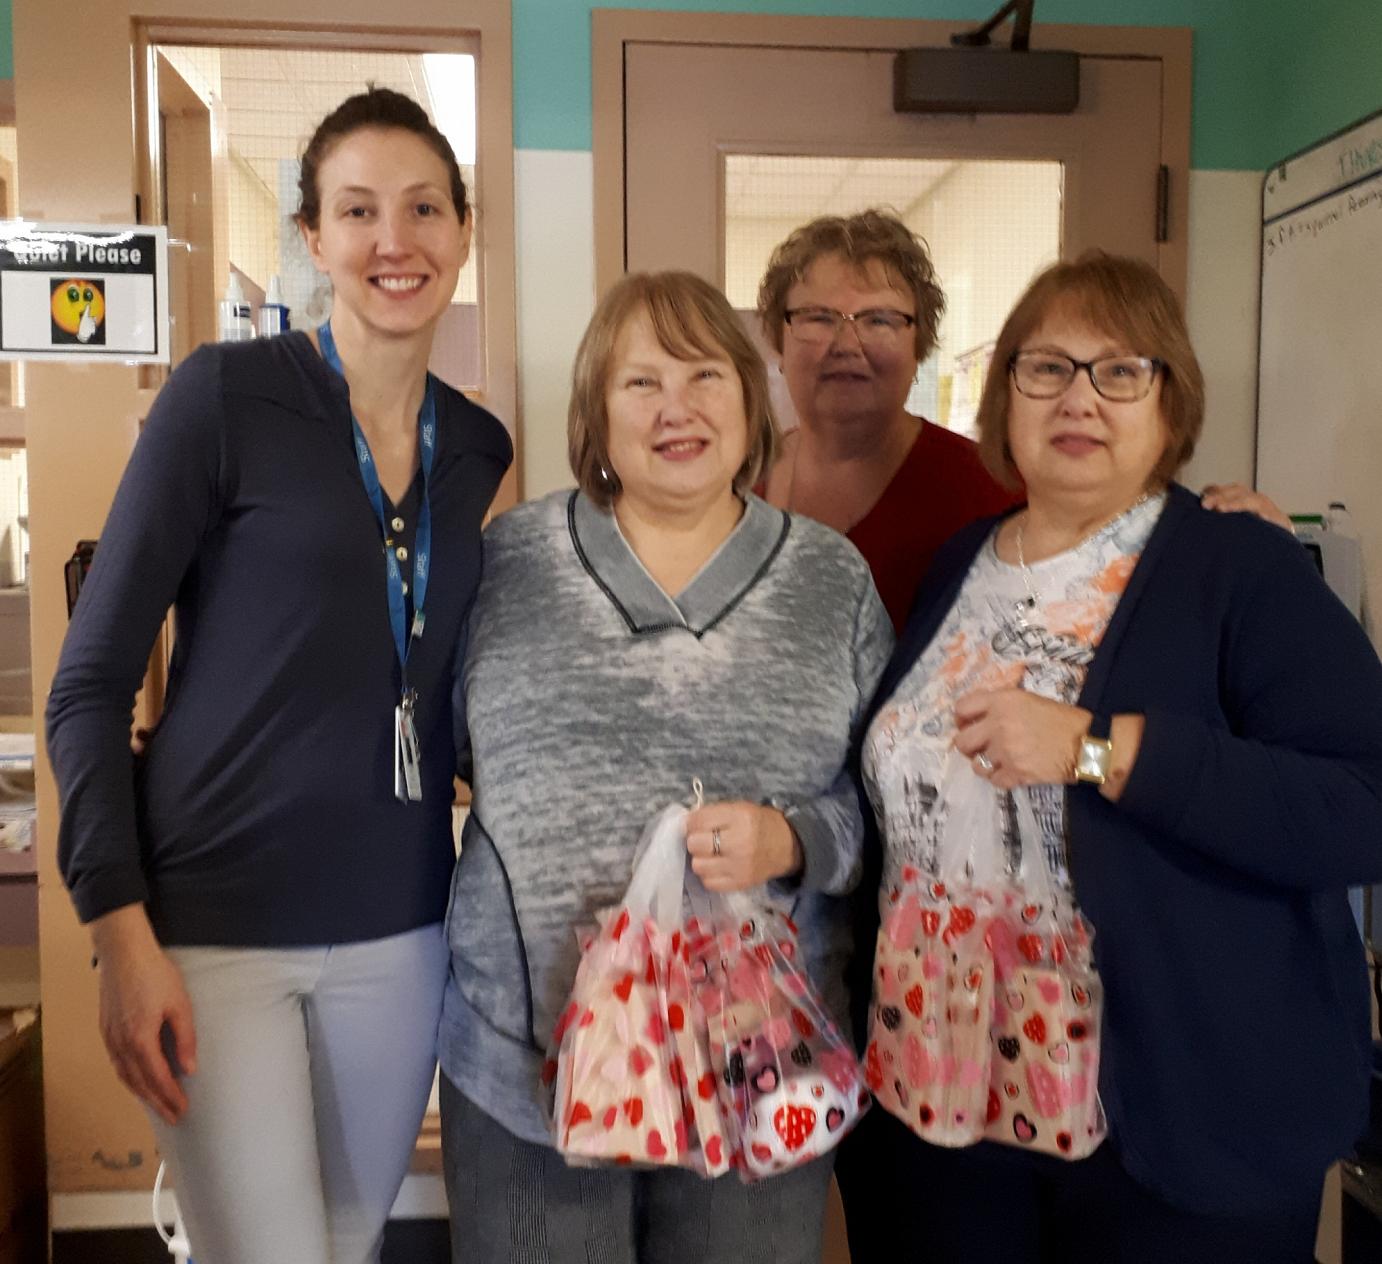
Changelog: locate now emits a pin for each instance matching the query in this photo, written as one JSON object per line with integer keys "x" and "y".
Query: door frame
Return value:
{"x": 613, "y": 29}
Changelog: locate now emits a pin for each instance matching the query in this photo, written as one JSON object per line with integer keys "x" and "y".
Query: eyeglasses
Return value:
{"x": 1122, "y": 379}
{"x": 819, "y": 325}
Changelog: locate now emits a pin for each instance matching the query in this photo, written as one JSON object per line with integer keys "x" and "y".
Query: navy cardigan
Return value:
{"x": 1236, "y": 1041}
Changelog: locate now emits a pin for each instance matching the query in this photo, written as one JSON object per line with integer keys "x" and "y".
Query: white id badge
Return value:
{"x": 407, "y": 780}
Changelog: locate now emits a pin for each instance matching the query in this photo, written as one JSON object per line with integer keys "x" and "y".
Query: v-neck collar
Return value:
{"x": 732, "y": 570}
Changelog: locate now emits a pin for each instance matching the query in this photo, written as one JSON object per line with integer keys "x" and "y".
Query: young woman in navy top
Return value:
{"x": 265, "y": 884}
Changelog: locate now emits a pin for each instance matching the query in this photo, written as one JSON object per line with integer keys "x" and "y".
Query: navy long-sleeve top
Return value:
{"x": 1235, "y": 1045}
{"x": 262, "y": 812}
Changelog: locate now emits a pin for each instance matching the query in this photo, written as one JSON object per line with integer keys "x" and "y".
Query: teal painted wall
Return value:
{"x": 1271, "y": 76}
{"x": 1327, "y": 72}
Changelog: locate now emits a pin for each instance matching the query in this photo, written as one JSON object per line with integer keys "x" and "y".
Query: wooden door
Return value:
{"x": 686, "y": 107}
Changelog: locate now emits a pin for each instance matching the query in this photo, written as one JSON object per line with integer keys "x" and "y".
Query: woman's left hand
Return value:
{"x": 1015, "y": 738}
{"x": 1239, "y": 498}
{"x": 736, "y": 845}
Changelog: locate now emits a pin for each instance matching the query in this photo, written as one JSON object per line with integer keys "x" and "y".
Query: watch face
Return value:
{"x": 1096, "y": 755}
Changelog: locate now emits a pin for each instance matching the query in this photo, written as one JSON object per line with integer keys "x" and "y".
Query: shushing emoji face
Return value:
{"x": 78, "y": 307}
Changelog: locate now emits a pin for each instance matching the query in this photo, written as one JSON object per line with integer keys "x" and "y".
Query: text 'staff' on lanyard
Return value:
{"x": 407, "y": 773}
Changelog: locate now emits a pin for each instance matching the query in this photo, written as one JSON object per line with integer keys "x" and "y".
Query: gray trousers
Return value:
{"x": 314, "y": 1066}
{"x": 513, "y": 1202}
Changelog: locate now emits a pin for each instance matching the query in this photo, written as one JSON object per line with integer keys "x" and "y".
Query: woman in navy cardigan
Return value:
{"x": 1198, "y": 722}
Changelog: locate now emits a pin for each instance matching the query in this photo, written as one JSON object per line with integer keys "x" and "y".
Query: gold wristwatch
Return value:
{"x": 1094, "y": 761}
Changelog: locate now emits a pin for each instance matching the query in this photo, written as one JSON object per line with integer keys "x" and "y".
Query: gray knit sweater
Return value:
{"x": 592, "y": 699}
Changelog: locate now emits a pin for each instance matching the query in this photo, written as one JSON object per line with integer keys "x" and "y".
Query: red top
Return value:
{"x": 940, "y": 487}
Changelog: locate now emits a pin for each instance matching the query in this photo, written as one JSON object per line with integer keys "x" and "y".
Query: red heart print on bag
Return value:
{"x": 913, "y": 1000}
{"x": 794, "y": 1124}
{"x": 873, "y": 1069}
{"x": 633, "y": 1111}
{"x": 803, "y": 1024}
{"x": 1023, "y": 1129}
{"x": 656, "y": 1149}
{"x": 1035, "y": 1029}
{"x": 623, "y": 988}
{"x": 995, "y": 1107}
{"x": 714, "y": 1151}
{"x": 961, "y": 921}
{"x": 621, "y": 924}
{"x": 1030, "y": 946}
{"x": 567, "y": 1017}
{"x": 761, "y": 1152}
{"x": 580, "y": 1114}
{"x": 639, "y": 1059}
{"x": 676, "y": 1016}
{"x": 611, "y": 1117}
{"x": 930, "y": 923}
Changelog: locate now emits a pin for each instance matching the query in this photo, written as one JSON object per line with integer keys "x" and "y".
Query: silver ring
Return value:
{"x": 983, "y": 762}
{"x": 715, "y": 841}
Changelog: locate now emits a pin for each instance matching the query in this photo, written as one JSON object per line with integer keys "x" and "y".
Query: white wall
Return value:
{"x": 556, "y": 294}
{"x": 1225, "y": 219}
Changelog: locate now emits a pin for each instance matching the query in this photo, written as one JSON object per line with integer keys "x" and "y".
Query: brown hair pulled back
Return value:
{"x": 384, "y": 110}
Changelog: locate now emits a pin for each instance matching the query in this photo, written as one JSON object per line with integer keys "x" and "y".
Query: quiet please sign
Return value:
{"x": 83, "y": 292}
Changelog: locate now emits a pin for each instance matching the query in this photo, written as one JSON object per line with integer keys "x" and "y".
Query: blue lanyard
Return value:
{"x": 403, "y": 636}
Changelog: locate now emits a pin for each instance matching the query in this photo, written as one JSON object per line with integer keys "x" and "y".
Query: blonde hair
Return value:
{"x": 1115, "y": 295}
{"x": 858, "y": 239}
{"x": 689, "y": 318}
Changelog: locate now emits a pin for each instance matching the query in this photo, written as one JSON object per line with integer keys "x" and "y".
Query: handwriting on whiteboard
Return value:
{"x": 1320, "y": 219}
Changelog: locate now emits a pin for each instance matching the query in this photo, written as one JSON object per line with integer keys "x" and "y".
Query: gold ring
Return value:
{"x": 715, "y": 841}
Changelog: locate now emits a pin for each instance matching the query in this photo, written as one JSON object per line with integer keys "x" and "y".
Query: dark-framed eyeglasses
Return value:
{"x": 1123, "y": 379}
{"x": 875, "y": 325}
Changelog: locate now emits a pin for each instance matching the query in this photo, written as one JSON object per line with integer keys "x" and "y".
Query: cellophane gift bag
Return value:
{"x": 928, "y": 1054}
{"x": 629, "y": 1071}
{"x": 1048, "y": 1007}
{"x": 789, "y": 1084}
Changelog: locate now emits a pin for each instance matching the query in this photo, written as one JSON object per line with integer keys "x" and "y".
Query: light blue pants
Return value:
{"x": 314, "y": 1067}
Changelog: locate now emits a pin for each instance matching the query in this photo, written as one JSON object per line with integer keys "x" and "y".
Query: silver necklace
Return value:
{"x": 1029, "y": 604}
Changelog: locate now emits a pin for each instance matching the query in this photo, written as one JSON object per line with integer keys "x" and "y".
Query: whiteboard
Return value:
{"x": 1319, "y": 375}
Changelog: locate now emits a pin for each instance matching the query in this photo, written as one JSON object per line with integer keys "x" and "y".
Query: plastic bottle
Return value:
{"x": 1338, "y": 520}
{"x": 273, "y": 313}
{"x": 235, "y": 323}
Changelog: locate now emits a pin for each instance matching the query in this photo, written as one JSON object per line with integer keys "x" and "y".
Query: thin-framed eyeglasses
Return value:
{"x": 1123, "y": 379}
{"x": 875, "y": 325}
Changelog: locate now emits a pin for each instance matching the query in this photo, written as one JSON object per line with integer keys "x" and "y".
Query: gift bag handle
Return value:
{"x": 970, "y": 813}
{"x": 659, "y": 869}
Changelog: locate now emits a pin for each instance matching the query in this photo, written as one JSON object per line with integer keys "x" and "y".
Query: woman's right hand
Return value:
{"x": 142, "y": 992}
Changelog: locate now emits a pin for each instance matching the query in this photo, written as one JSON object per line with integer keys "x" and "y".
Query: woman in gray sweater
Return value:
{"x": 658, "y": 624}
